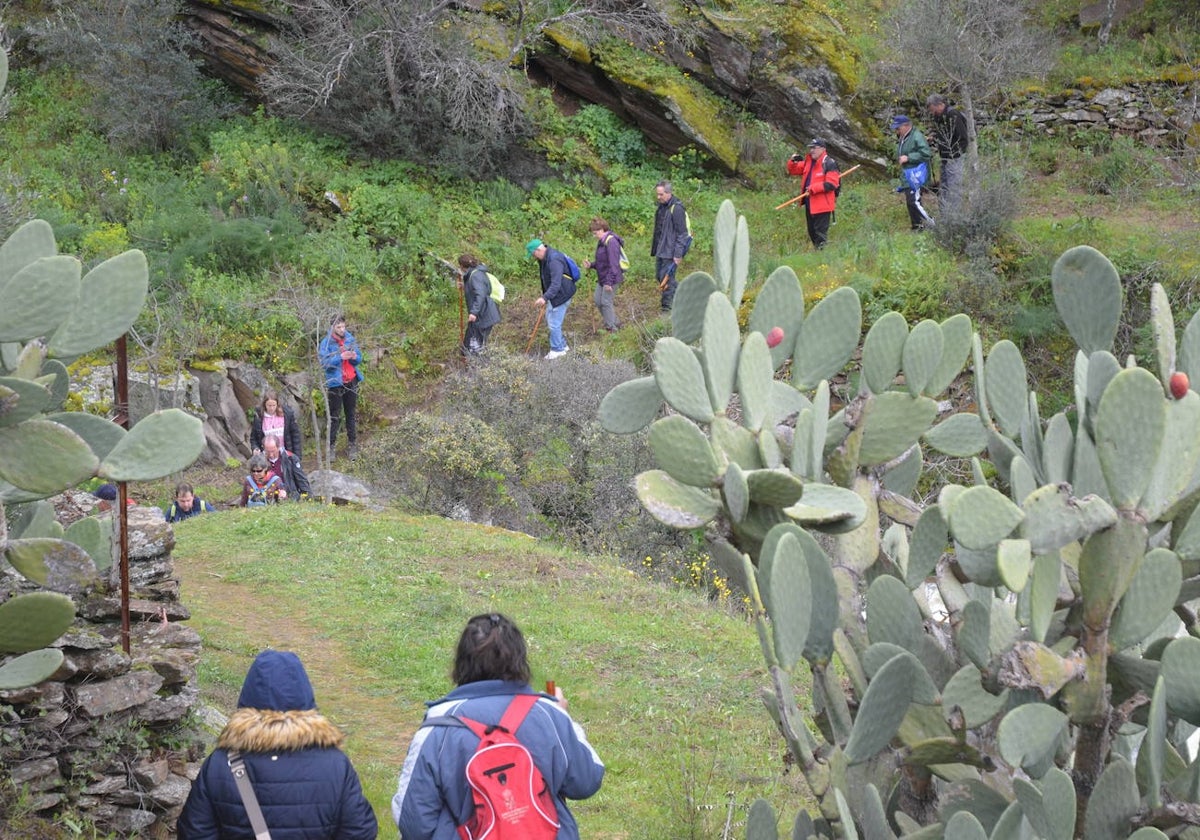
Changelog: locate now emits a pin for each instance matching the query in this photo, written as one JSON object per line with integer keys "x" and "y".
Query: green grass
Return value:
{"x": 665, "y": 683}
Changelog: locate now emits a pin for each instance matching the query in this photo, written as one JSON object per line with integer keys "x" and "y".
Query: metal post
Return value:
{"x": 122, "y": 419}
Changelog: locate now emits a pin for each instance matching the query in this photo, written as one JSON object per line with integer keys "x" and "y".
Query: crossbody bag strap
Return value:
{"x": 246, "y": 790}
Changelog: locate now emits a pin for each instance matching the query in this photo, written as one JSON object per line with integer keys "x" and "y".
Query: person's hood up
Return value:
{"x": 277, "y": 681}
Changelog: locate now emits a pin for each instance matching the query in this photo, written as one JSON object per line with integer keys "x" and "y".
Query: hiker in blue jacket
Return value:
{"x": 304, "y": 784}
{"x": 482, "y": 311}
{"x": 340, "y": 356}
{"x": 558, "y": 288}
{"x": 490, "y": 669}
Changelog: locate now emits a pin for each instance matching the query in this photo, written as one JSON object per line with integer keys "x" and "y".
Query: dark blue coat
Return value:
{"x": 305, "y": 784}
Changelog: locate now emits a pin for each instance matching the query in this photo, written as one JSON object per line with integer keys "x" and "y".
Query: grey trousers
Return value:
{"x": 604, "y": 297}
{"x": 950, "y": 191}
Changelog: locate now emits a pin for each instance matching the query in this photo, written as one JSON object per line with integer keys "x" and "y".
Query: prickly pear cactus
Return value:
{"x": 50, "y": 313}
{"x": 1013, "y": 659}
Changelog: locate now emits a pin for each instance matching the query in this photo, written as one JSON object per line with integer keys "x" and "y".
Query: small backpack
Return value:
{"x": 572, "y": 269}
{"x": 687, "y": 223}
{"x": 511, "y": 799}
{"x": 497, "y": 292}
{"x": 623, "y": 261}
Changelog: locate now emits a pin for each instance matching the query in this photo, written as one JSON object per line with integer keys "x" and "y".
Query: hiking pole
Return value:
{"x": 804, "y": 194}
{"x": 541, "y": 312}
{"x": 462, "y": 329}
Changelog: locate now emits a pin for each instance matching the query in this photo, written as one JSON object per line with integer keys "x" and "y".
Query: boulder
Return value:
{"x": 339, "y": 487}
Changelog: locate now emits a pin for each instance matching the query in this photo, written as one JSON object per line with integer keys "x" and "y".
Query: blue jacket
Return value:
{"x": 434, "y": 797}
{"x": 557, "y": 286}
{"x": 330, "y": 356}
{"x": 304, "y": 783}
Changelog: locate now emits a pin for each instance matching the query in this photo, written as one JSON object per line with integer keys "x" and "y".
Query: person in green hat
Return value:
{"x": 557, "y": 290}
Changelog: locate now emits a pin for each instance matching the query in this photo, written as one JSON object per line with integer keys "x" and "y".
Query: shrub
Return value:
{"x": 135, "y": 55}
{"x": 985, "y": 214}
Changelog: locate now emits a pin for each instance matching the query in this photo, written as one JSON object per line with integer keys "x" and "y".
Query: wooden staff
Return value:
{"x": 541, "y": 312}
{"x": 804, "y": 194}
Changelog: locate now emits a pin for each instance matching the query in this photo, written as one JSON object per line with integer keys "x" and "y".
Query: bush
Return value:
{"x": 514, "y": 441}
{"x": 135, "y": 55}
{"x": 989, "y": 206}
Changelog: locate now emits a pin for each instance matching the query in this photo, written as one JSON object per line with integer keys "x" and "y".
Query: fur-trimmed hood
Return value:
{"x": 266, "y": 730}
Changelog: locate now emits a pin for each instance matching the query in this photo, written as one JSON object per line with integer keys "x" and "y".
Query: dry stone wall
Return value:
{"x": 112, "y": 736}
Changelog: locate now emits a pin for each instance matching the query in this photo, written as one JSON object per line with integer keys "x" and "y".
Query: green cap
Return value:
{"x": 533, "y": 245}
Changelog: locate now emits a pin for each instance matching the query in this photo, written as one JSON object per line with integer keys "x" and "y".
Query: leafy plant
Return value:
{"x": 50, "y": 313}
{"x": 984, "y": 664}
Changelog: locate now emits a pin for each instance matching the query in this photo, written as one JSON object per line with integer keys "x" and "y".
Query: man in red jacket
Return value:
{"x": 821, "y": 178}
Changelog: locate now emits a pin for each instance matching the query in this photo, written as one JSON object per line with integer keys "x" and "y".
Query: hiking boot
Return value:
{"x": 353, "y": 452}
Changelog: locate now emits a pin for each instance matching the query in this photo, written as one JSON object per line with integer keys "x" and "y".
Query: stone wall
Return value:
{"x": 110, "y": 736}
{"x": 1159, "y": 114}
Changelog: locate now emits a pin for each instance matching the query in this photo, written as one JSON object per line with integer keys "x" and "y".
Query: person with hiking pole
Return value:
{"x": 445, "y": 781}
{"x": 558, "y": 287}
{"x": 670, "y": 242}
{"x": 821, "y": 181}
{"x": 610, "y": 265}
{"x": 483, "y": 312}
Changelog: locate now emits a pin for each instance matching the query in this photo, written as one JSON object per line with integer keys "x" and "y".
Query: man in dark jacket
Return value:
{"x": 950, "y": 139}
{"x": 305, "y": 785}
{"x": 670, "y": 242}
{"x": 482, "y": 311}
{"x": 286, "y": 465}
{"x": 557, "y": 290}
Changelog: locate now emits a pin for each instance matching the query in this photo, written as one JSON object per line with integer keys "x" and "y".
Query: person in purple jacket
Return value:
{"x": 305, "y": 785}
{"x": 490, "y": 668}
{"x": 609, "y": 273}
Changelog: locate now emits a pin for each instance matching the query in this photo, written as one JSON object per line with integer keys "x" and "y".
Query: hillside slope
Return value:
{"x": 664, "y": 683}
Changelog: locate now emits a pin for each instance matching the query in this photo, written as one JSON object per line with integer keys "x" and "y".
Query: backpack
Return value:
{"x": 260, "y": 496}
{"x": 497, "y": 293}
{"x": 572, "y": 269}
{"x": 623, "y": 261}
{"x": 511, "y": 799}
{"x": 829, "y": 166}
{"x": 687, "y": 223}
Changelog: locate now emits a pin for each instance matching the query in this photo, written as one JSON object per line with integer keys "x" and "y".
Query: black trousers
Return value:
{"x": 818, "y": 227}
{"x": 343, "y": 398}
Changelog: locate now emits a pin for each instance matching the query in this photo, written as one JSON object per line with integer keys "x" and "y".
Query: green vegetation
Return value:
{"x": 664, "y": 684}
{"x": 1014, "y": 679}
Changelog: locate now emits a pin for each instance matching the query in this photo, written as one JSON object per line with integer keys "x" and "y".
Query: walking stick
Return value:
{"x": 462, "y": 330}
{"x": 804, "y": 194}
{"x": 541, "y": 312}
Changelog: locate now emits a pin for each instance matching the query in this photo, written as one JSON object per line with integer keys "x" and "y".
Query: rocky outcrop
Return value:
{"x": 221, "y": 394}
{"x": 720, "y": 71}
{"x": 94, "y": 738}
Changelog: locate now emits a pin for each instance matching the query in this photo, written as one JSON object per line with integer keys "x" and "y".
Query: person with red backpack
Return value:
{"x": 822, "y": 181}
{"x": 494, "y": 757}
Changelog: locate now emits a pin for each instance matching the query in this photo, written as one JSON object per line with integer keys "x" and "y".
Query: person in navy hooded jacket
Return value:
{"x": 490, "y": 668}
{"x": 304, "y": 783}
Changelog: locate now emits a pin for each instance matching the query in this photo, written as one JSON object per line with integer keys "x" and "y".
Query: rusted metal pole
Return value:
{"x": 122, "y": 419}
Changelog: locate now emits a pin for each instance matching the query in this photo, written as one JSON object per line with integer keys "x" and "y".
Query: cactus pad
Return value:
{"x": 674, "y": 504}
{"x": 691, "y": 299}
{"x": 779, "y": 303}
{"x": 681, "y": 379}
{"x": 828, "y": 338}
{"x": 680, "y": 448}
{"x": 30, "y": 669}
{"x": 1087, "y": 292}
{"x": 883, "y": 350}
{"x": 1028, "y": 737}
{"x": 28, "y": 622}
{"x": 631, "y": 406}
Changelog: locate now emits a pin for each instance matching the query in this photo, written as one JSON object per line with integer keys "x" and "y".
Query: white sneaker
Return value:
{"x": 554, "y": 354}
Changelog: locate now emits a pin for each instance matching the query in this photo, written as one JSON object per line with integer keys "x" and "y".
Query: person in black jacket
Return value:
{"x": 670, "y": 241}
{"x": 271, "y": 418}
{"x": 951, "y": 140}
{"x": 482, "y": 311}
{"x": 305, "y": 785}
{"x": 286, "y": 465}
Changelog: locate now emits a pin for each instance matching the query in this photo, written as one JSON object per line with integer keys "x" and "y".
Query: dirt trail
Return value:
{"x": 231, "y": 617}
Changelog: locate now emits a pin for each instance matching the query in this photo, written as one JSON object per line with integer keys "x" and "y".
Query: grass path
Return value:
{"x": 665, "y": 684}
